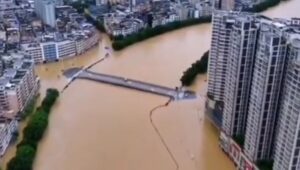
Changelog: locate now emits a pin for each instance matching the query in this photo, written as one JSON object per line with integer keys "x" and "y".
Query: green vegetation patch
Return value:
{"x": 33, "y": 133}
{"x": 199, "y": 67}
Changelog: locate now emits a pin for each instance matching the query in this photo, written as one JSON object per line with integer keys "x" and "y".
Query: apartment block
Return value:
{"x": 287, "y": 146}
{"x": 254, "y": 74}
{"x": 239, "y": 75}
{"x": 45, "y": 9}
{"x": 34, "y": 50}
{"x": 222, "y": 27}
{"x": 18, "y": 84}
{"x": 265, "y": 90}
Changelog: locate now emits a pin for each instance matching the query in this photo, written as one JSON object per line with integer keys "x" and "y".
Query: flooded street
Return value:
{"x": 102, "y": 127}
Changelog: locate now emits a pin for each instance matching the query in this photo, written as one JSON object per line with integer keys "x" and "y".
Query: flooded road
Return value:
{"x": 101, "y": 127}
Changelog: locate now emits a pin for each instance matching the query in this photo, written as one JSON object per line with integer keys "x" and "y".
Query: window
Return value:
{"x": 269, "y": 89}
{"x": 266, "y": 106}
{"x": 263, "y": 125}
{"x": 275, "y": 41}
{"x": 298, "y": 143}
{"x": 295, "y": 160}
{"x": 270, "y": 79}
{"x": 246, "y": 26}
{"x": 273, "y": 60}
{"x": 268, "y": 97}
{"x": 296, "y": 152}
{"x": 272, "y": 70}
{"x": 243, "y": 60}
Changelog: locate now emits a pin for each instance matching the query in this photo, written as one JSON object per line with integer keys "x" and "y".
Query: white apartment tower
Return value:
{"x": 217, "y": 67}
{"x": 45, "y": 9}
{"x": 287, "y": 148}
{"x": 254, "y": 69}
{"x": 239, "y": 75}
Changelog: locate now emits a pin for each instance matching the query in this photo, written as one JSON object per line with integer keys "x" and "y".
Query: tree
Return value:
{"x": 199, "y": 67}
{"x": 36, "y": 127}
{"x": 23, "y": 160}
{"x": 33, "y": 133}
{"x": 49, "y": 100}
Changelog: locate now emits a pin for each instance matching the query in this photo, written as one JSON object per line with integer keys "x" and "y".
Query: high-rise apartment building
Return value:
{"x": 217, "y": 67}
{"x": 287, "y": 148}
{"x": 45, "y": 9}
{"x": 267, "y": 78}
{"x": 239, "y": 75}
{"x": 252, "y": 59}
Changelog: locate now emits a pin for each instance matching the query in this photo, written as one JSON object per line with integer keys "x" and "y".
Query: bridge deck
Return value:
{"x": 135, "y": 84}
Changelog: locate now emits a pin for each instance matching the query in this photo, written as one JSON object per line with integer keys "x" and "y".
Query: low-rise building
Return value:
{"x": 49, "y": 51}
{"x": 120, "y": 24}
{"x": 34, "y": 50}
{"x": 86, "y": 42}
{"x": 66, "y": 49}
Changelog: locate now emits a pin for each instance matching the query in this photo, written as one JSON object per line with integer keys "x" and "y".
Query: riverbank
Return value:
{"x": 121, "y": 42}
{"x": 32, "y": 134}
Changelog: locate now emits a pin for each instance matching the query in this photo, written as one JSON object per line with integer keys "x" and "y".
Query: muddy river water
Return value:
{"x": 101, "y": 127}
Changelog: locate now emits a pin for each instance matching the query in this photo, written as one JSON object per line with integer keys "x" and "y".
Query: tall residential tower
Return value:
{"x": 239, "y": 75}
{"x": 265, "y": 90}
{"x": 287, "y": 148}
{"x": 45, "y": 9}
{"x": 254, "y": 76}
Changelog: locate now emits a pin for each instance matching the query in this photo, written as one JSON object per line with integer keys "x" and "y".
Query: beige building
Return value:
{"x": 18, "y": 84}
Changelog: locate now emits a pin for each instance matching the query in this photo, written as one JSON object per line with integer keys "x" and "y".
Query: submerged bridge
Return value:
{"x": 177, "y": 94}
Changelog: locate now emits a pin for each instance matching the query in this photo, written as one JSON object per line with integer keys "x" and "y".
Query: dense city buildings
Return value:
{"x": 130, "y": 17}
{"x": 18, "y": 86}
{"x": 252, "y": 59}
{"x": 56, "y": 33}
{"x": 33, "y": 32}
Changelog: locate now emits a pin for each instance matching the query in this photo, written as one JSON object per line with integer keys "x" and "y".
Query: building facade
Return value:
{"x": 49, "y": 51}
{"x": 34, "y": 50}
{"x": 287, "y": 146}
{"x": 18, "y": 84}
{"x": 239, "y": 75}
{"x": 222, "y": 28}
{"x": 7, "y": 130}
{"x": 265, "y": 91}
{"x": 45, "y": 9}
{"x": 66, "y": 49}
{"x": 258, "y": 84}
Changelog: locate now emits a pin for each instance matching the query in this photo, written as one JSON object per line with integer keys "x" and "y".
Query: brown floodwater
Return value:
{"x": 101, "y": 127}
